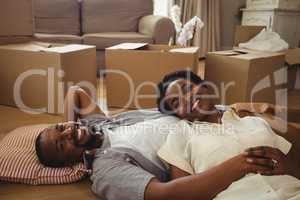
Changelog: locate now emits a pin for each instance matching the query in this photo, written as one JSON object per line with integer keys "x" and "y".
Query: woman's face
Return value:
{"x": 189, "y": 100}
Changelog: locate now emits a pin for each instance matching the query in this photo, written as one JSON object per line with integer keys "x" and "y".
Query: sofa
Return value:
{"x": 102, "y": 23}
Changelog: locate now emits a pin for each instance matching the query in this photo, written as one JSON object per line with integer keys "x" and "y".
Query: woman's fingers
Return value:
{"x": 267, "y": 173}
{"x": 260, "y": 169}
{"x": 264, "y": 166}
{"x": 263, "y": 152}
{"x": 268, "y": 157}
{"x": 267, "y": 163}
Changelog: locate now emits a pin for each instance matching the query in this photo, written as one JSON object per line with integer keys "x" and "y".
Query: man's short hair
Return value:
{"x": 167, "y": 80}
{"x": 40, "y": 154}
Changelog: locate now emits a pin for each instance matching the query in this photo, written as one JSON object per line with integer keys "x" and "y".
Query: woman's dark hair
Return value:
{"x": 163, "y": 107}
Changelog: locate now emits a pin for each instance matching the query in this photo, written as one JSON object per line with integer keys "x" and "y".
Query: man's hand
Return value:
{"x": 269, "y": 157}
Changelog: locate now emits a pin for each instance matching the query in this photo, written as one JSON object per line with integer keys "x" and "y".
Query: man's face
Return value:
{"x": 188, "y": 100}
{"x": 66, "y": 142}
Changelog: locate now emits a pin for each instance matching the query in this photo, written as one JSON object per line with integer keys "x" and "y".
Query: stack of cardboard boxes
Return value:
{"x": 238, "y": 75}
{"x": 35, "y": 76}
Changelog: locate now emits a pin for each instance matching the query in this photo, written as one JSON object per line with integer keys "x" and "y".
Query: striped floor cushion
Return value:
{"x": 19, "y": 163}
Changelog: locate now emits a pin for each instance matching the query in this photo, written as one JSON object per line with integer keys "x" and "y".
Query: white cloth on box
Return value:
{"x": 266, "y": 41}
{"x": 197, "y": 147}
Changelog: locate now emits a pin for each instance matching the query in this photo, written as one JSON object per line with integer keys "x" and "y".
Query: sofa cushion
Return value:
{"x": 113, "y": 15}
{"x": 57, "y": 16}
{"x": 104, "y": 40}
{"x": 58, "y": 38}
{"x": 19, "y": 162}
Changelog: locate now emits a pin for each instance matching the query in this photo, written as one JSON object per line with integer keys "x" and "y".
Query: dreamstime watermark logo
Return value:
{"x": 57, "y": 87}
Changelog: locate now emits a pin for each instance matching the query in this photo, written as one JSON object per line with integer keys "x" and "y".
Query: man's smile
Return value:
{"x": 82, "y": 135}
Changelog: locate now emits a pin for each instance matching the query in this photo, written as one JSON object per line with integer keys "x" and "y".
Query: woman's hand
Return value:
{"x": 277, "y": 162}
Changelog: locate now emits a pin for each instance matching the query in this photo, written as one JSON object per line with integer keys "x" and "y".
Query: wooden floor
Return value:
{"x": 77, "y": 191}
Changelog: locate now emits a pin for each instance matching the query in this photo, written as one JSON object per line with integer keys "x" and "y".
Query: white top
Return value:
{"x": 145, "y": 137}
{"x": 196, "y": 147}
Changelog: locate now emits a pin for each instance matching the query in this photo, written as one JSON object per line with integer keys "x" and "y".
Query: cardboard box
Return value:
{"x": 134, "y": 69}
{"x": 242, "y": 75}
{"x": 245, "y": 76}
{"x": 293, "y": 60}
{"x": 245, "y": 33}
{"x": 36, "y": 75}
{"x": 16, "y": 18}
{"x": 293, "y": 56}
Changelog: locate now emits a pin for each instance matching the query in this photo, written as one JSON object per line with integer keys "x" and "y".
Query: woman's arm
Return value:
{"x": 176, "y": 173}
{"x": 206, "y": 185}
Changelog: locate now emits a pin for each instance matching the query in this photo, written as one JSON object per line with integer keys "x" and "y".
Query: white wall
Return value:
{"x": 161, "y": 7}
{"x": 230, "y": 17}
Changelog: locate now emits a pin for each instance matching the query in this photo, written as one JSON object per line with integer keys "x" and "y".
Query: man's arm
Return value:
{"x": 206, "y": 185}
{"x": 78, "y": 104}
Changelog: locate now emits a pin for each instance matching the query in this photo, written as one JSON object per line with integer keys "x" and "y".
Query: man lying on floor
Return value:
{"x": 127, "y": 167}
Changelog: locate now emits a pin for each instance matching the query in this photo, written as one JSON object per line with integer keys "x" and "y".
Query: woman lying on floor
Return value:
{"x": 206, "y": 137}
{"x": 125, "y": 169}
